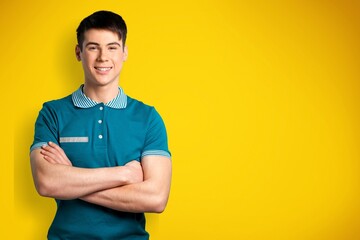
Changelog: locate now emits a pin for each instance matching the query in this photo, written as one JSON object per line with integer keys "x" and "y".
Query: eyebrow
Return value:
{"x": 109, "y": 44}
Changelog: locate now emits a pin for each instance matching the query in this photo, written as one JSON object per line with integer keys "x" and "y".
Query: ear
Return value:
{"x": 125, "y": 53}
{"x": 77, "y": 52}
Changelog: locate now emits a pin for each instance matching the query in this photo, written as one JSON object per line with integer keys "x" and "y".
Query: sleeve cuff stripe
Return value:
{"x": 155, "y": 152}
{"x": 37, "y": 145}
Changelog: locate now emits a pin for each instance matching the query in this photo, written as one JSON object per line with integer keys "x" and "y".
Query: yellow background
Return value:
{"x": 260, "y": 99}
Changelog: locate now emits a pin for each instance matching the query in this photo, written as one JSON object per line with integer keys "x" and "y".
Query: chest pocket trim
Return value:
{"x": 74, "y": 139}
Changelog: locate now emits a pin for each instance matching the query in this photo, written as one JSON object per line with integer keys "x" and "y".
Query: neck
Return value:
{"x": 102, "y": 94}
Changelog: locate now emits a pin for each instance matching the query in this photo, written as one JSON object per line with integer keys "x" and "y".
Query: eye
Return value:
{"x": 92, "y": 48}
{"x": 113, "y": 48}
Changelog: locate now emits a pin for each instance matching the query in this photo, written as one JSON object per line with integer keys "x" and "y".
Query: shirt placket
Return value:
{"x": 100, "y": 134}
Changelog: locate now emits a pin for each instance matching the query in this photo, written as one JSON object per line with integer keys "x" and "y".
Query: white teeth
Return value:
{"x": 103, "y": 69}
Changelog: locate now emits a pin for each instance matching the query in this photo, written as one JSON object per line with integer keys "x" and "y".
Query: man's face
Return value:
{"x": 102, "y": 57}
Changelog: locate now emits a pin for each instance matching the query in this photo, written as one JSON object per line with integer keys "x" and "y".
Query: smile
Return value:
{"x": 103, "y": 69}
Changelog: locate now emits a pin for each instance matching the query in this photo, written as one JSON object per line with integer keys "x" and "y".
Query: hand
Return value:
{"x": 134, "y": 172}
{"x": 54, "y": 154}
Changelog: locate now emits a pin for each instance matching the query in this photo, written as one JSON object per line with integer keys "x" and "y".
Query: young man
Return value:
{"x": 101, "y": 154}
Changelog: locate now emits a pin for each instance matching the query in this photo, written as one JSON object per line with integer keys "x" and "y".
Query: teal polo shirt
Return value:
{"x": 97, "y": 135}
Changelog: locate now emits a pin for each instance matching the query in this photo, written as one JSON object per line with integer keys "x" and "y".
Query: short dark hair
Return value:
{"x": 102, "y": 20}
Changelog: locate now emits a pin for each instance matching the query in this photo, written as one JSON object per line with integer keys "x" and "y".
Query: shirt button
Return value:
{"x": 100, "y": 136}
{"x": 100, "y": 121}
{"x": 101, "y": 108}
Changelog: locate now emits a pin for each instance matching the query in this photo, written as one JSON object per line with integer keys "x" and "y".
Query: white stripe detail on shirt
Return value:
{"x": 74, "y": 139}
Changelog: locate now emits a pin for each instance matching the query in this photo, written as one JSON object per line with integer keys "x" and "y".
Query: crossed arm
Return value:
{"x": 129, "y": 188}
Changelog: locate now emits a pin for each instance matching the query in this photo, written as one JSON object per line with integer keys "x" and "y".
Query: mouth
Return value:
{"x": 103, "y": 69}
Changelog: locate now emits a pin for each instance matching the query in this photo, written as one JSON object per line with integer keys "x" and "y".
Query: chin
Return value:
{"x": 106, "y": 83}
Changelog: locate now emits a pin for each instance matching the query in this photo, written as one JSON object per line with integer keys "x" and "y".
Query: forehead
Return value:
{"x": 101, "y": 36}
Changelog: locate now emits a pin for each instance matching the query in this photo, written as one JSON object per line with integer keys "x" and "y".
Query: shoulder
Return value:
{"x": 139, "y": 106}
{"x": 54, "y": 107}
{"x": 58, "y": 103}
{"x": 140, "y": 109}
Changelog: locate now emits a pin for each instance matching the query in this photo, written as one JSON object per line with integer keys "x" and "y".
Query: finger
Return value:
{"x": 50, "y": 160}
{"x": 50, "y": 149}
{"x": 56, "y": 153}
{"x": 53, "y": 154}
{"x": 65, "y": 161}
{"x": 55, "y": 148}
{"x": 60, "y": 153}
{"x": 54, "y": 159}
{"x": 68, "y": 162}
{"x": 47, "y": 153}
{"x": 58, "y": 149}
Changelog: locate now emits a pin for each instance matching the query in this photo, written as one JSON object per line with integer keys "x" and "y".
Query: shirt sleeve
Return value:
{"x": 156, "y": 137}
{"x": 45, "y": 128}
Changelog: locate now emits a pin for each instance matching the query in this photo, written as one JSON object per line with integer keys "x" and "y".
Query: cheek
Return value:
{"x": 89, "y": 57}
{"x": 120, "y": 64}
{"x": 118, "y": 61}
{"x": 85, "y": 64}
{"x": 89, "y": 61}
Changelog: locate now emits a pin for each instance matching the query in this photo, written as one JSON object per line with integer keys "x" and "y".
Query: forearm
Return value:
{"x": 150, "y": 195}
{"x": 68, "y": 182}
{"x": 139, "y": 197}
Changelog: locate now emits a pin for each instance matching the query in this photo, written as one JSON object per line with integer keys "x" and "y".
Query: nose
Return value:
{"x": 101, "y": 56}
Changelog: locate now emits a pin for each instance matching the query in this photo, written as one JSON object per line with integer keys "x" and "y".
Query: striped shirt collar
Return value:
{"x": 82, "y": 101}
